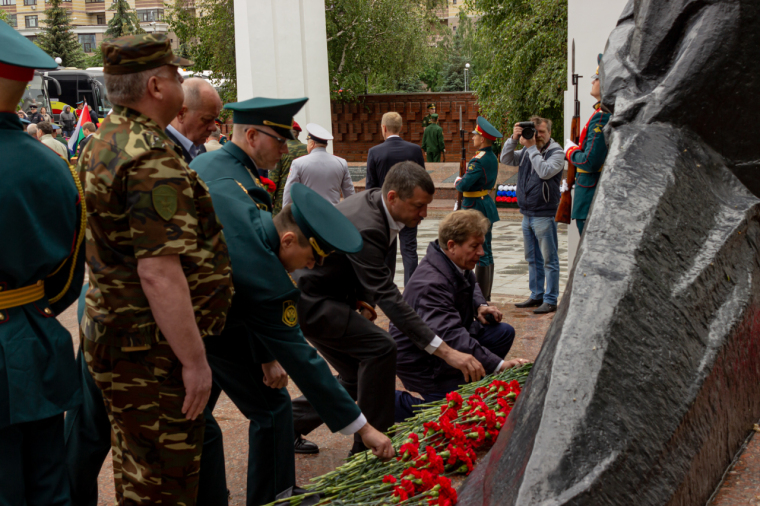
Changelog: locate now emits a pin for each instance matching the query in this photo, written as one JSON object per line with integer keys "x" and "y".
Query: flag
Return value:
{"x": 78, "y": 134}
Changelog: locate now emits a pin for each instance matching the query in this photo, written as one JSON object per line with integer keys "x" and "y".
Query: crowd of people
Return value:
{"x": 229, "y": 265}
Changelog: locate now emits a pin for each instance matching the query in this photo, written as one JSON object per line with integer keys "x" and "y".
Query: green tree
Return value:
{"x": 4, "y": 16}
{"x": 95, "y": 59}
{"x": 124, "y": 20}
{"x": 57, "y": 39}
{"x": 523, "y": 72}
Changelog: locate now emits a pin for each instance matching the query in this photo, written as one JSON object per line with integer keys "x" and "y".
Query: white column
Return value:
{"x": 281, "y": 50}
{"x": 589, "y": 22}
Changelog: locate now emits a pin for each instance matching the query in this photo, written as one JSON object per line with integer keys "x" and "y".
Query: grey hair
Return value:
{"x": 193, "y": 88}
{"x": 404, "y": 177}
{"x": 31, "y": 129}
{"x": 126, "y": 89}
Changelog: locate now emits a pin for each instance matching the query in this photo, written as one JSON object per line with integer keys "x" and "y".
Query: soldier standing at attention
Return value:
{"x": 589, "y": 157}
{"x": 432, "y": 141}
{"x": 41, "y": 271}
{"x": 279, "y": 175}
{"x": 160, "y": 277}
{"x": 429, "y": 118}
{"x": 475, "y": 186}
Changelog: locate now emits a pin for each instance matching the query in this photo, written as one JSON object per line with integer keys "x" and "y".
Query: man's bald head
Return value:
{"x": 201, "y": 106}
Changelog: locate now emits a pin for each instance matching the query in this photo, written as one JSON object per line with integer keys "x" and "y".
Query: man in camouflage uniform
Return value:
{"x": 279, "y": 175}
{"x": 159, "y": 281}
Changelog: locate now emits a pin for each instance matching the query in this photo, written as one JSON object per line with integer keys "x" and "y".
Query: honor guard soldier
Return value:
{"x": 41, "y": 273}
{"x": 261, "y": 129}
{"x": 432, "y": 141}
{"x": 159, "y": 277}
{"x": 475, "y": 186}
{"x": 429, "y": 118}
{"x": 262, "y": 335}
{"x": 589, "y": 157}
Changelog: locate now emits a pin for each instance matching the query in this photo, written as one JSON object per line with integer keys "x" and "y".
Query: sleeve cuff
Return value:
{"x": 571, "y": 151}
{"x": 434, "y": 344}
{"x": 497, "y": 367}
{"x": 354, "y": 426}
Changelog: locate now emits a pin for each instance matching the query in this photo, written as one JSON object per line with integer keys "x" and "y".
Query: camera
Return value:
{"x": 529, "y": 129}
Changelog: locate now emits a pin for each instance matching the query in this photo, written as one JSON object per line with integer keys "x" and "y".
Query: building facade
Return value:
{"x": 89, "y": 18}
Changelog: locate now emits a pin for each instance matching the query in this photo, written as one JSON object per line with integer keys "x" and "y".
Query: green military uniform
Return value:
{"x": 143, "y": 201}
{"x": 588, "y": 159}
{"x": 279, "y": 175}
{"x": 476, "y": 185}
{"x": 427, "y": 120}
{"x": 432, "y": 141}
{"x": 41, "y": 273}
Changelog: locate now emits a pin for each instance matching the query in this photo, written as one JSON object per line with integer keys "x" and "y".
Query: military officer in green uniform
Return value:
{"x": 160, "y": 279}
{"x": 476, "y": 186}
{"x": 432, "y": 140}
{"x": 41, "y": 273}
{"x": 262, "y": 342}
{"x": 429, "y": 118}
{"x": 255, "y": 145}
{"x": 589, "y": 157}
{"x": 279, "y": 175}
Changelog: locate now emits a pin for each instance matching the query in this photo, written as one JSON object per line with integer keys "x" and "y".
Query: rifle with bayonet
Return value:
{"x": 565, "y": 209}
{"x": 462, "y": 161}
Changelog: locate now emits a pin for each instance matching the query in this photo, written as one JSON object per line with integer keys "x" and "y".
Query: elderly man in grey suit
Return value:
{"x": 338, "y": 298}
{"x": 324, "y": 173}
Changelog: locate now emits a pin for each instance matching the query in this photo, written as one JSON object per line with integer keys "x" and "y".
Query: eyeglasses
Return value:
{"x": 280, "y": 140}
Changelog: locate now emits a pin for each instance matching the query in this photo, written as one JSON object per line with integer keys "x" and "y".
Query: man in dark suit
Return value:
{"x": 88, "y": 129}
{"x": 195, "y": 121}
{"x": 364, "y": 354}
{"x": 380, "y": 159}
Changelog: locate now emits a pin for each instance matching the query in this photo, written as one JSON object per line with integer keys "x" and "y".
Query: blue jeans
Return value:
{"x": 540, "y": 242}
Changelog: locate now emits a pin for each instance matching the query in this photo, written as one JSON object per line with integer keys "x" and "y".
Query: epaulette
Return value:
{"x": 480, "y": 154}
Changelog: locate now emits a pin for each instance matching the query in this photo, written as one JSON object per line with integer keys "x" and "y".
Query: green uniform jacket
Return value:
{"x": 231, "y": 161}
{"x": 481, "y": 174}
{"x": 426, "y": 121}
{"x": 279, "y": 175}
{"x": 265, "y": 302}
{"x": 43, "y": 240}
{"x": 432, "y": 142}
{"x": 588, "y": 159}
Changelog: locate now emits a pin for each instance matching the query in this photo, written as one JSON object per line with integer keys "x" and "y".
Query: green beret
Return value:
{"x": 135, "y": 53}
{"x": 276, "y": 113}
{"x": 326, "y": 228}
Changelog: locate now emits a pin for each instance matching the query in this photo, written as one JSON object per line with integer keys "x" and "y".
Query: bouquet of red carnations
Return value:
{"x": 439, "y": 441}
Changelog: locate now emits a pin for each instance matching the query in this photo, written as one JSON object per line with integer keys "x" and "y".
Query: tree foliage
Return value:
{"x": 95, "y": 59}
{"x": 379, "y": 45}
{"x": 208, "y": 40}
{"x": 57, "y": 39}
{"x": 522, "y": 68}
{"x": 124, "y": 20}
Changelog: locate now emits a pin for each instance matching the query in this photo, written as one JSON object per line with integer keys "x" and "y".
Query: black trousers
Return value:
{"x": 408, "y": 243}
{"x": 365, "y": 358}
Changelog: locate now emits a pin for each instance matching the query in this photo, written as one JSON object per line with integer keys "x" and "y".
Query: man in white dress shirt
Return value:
{"x": 324, "y": 173}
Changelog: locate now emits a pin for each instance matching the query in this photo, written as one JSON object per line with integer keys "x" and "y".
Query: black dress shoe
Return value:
{"x": 545, "y": 308}
{"x": 530, "y": 303}
{"x": 304, "y": 446}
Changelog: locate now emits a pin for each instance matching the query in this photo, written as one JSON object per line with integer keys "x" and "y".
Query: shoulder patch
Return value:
{"x": 471, "y": 167}
{"x": 289, "y": 313}
{"x": 164, "y": 201}
{"x": 598, "y": 129}
{"x": 480, "y": 154}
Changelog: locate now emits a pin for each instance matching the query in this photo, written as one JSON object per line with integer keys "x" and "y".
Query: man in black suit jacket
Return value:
{"x": 195, "y": 121}
{"x": 88, "y": 129}
{"x": 380, "y": 159}
{"x": 364, "y": 354}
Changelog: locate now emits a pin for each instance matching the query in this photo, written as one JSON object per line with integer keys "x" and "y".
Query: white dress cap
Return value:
{"x": 318, "y": 132}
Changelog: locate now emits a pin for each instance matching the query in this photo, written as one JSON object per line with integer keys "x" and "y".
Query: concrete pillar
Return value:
{"x": 281, "y": 49}
{"x": 589, "y": 22}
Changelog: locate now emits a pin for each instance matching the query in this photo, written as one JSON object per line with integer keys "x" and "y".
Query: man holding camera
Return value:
{"x": 540, "y": 165}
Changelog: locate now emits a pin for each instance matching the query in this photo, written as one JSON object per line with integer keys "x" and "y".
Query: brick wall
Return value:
{"x": 356, "y": 126}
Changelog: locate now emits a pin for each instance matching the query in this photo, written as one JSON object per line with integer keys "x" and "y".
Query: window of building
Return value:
{"x": 7, "y": 2}
{"x": 146, "y": 15}
{"x": 94, "y": 1}
{"x": 30, "y": 21}
{"x": 454, "y": 28}
{"x": 12, "y": 20}
{"x": 87, "y": 40}
{"x": 101, "y": 19}
{"x": 30, "y": 2}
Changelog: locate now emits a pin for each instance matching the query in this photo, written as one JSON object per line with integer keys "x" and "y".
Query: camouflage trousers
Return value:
{"x": 156, "y": 450}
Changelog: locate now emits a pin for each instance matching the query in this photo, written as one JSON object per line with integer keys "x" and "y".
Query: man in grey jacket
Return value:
{"x": 540, "y": 165}
{"x": 324, "y": 173}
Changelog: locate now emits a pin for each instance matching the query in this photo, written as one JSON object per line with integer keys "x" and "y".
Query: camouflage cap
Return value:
{"x": 136, "y": 53}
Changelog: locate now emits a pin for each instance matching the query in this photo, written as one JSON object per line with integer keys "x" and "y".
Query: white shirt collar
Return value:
{"x": 393, "y": 225}
{"x": 394, "y": 135}
{"x": 186, "y": 143}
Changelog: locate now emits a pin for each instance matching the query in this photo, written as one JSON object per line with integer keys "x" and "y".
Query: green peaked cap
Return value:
{"x": 318, "y": 219}
{"x": 484, "y": 127}
{"x": 276, "y": 113}
{"x": 21, "y": 52}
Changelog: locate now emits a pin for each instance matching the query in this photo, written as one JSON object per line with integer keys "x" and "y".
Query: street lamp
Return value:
{"x": 466, "y": 69}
